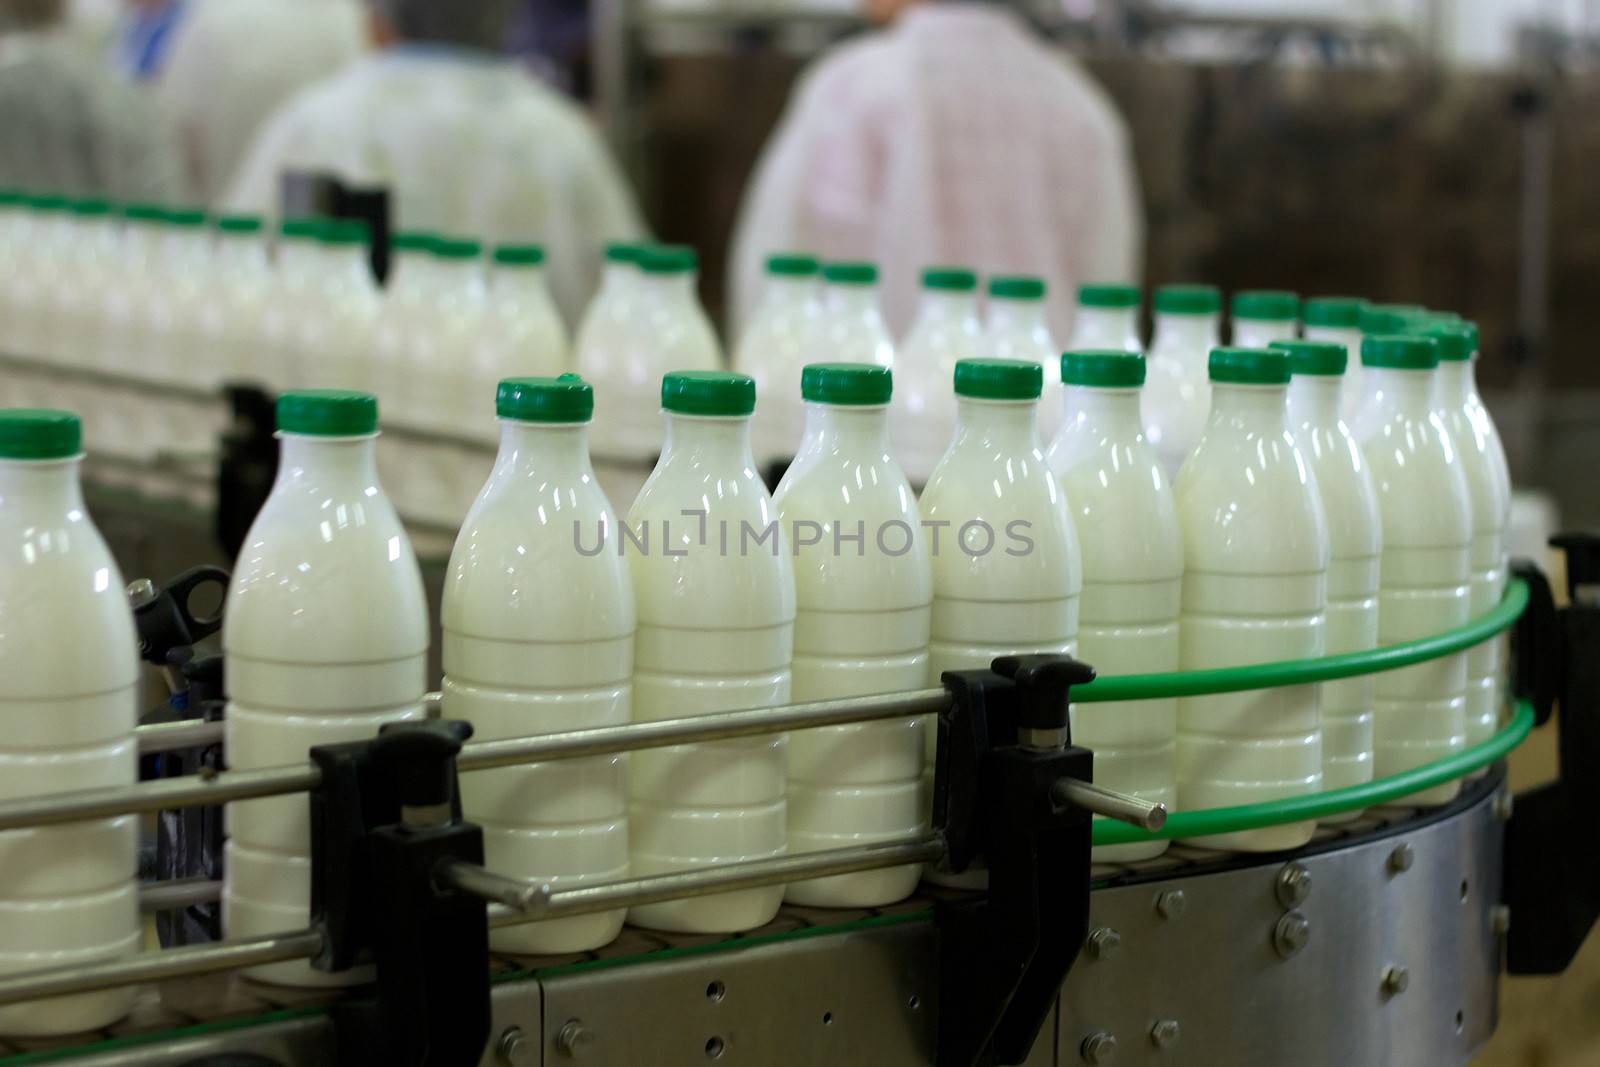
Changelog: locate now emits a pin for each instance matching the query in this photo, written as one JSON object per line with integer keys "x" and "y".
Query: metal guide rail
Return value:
{"x": 398, "y": 878}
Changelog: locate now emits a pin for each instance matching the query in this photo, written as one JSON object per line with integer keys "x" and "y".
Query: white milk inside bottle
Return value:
{"x": 1006, "y": 570}
{"x": 69, "y": 699}
{"x": 230, "y": 321}
{"x": 1127, "y": 525}
{"x": 443, "y": 352}
{"x": 29, "y": 300}
{"x": 1015, "y": 327}
{"x": 325, "y": 639}
{"x": 338, "y": 322}
{"x": 1262, "y": 316}
{"x": 538, "y": 638}
{"x": 714, "y": 589}
{"x": 853, "y": 326}
{"x": 601, "y": 347}
{"x": 402, "y": 311}
{"x": 1489, "y": 489}
{"x": 1338, "y": 319}
{"x": 1254, "y": 591}
{"x": 863, "y": 594}
{"x": 782, "y": 336}
{"x": 185, "y": 281}
{"x": 1107, "y": 318}
{"x": 945, "y": 332}
{"x": 1177, "y": 392}
{"x": 1424, "y": 580}
{"x": 90, "y": 264}
{"x": 669, "y": 331}
{"x": 1355, "y": 541}
{"x": 523, "y": 334}
{"x": 15, "y": 224}
{"x": 297, "y": 260}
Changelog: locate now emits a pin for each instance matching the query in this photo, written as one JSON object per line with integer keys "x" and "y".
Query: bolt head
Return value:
{"x": 1500, "y": 919}
{"x": 1503, "y": 804}
{"x": 1164, "y": 1034}
{"x": 513, "y": 1047}
{"x": 1172, "y": 904}
{"x": 1401, "y": 859}
{"x": 1396, "y": 980}
{"x": 1099, "y": 1048}
{"x": 574, "y": 1037}
{"x": 1104, "y": 942}
{"x": 1293, "y": 885}
{"x": 1291, "y": 934}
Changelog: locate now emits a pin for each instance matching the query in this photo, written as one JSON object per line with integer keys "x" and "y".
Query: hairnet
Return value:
{"x": 472, "y": 23}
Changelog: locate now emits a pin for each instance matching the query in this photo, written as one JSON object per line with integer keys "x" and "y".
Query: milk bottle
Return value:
{"x": 1424, "y": 584}
{"x": 338, "y": 322}
{"x": 1262, "y": 316}
{"x": 1177, "y": 393}
{"x": 28, "y": 302}
{"x": 90, "y": 264}
{"x": 1127, "y": 526}
{"x": 864, "y": 590}
{"x": 944, "y": 332}
{"x": 403, "y": 312}
{"x": 1006, "y": 568}
{"x": 443, "y": 354}
{"x": 326, "y": 639}
{"x": 121, "y": 426}
{"x": 601, "y": 345}
{"x": 1107, "y": 318}
{"x": 1488, "y": 479}
{"x": 1254, "y": 590}
{"x": 1355, "y": 539}
{"x": 280, "y": 319}
{"x": 68, "y": 894}
{"x": 1015, "y": 328}
{"x": 1338, "y": 319}
{"x": 523, "y": 333}
{"x": 854, "y": 328}
{"x": 668, "y": 330}
{"x": 538, "y": 638}
{"x": 230, "y": 321}
{"x": 715, "y": 593}
{"x": 176, "y": 354}
{"x": 1388, "y": 318}
{"x": 784, "y": 333}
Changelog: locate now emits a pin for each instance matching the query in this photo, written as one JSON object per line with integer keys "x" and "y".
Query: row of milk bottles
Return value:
{"x": 1286, "y": 535}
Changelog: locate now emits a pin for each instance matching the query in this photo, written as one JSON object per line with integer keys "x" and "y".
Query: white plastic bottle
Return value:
{"x": 538, "y": 638}
{"x": 863, "y": 596}
{"x": 326, "y": 639}
{"x": 1007, "y": 573}
{"x": 1107, "y": 318}
{"x": 68, "y": 894}
{"x": 176, "y": 354}
{"x": 601, "y": 346}
{"x": 945, "y": 331}
{"x": 1016, "y": 327}
{"x": 522, "y": 333}
{"x": 334, "y": 335}
{"x": 1338, "y": 319}
{"x": 1355, "y": 542}
{"x": 1483, "y": 461}
{"x": 120, "y": 427}
{"x": 1177, "y": 392}
{"x": 1419, "y": 712}
{"x": 443, "y": 352}
{"x": 783, "y": 335}
{"x": 295, "y": 275}
{"x": 1127, "y": 526}
{"x": 1262, "y": 316}
{"x": 854, "y": 329}
{"x": 1254, "y": 590}
{"x": 28, "y": 303}
{"x": 714, "y": 589}
{"x": 230, "y": 320}
{"x": 668, "y": 330}
{"x": 402, "y": 312}
{"x": 91, "y": 263}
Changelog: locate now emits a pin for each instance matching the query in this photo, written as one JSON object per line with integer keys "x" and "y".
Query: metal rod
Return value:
{"x": 518, "y": 894}
{"x": 704, "y": 881}
{"x": 1145, "y": 814}
{"x": 185, "y": 733}
{"x": 178, "y": 893}
{"x": 158, "y": 966}
{"x": 195, "y": 790}
{"x": 720, "y": 726}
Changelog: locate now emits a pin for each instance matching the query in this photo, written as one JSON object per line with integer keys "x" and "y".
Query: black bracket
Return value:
{"x": 1003, "y": 745}
{"x": 385, "y": 816}
{"x": 1551, "y": 887}
{"x": 165, "y": 624}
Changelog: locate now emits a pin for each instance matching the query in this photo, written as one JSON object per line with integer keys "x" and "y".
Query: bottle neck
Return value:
{"x": 1254, "y": 407}
{"x": 618, "y": 279}
{"x": 673, "y": 287}
{"x": 1010, "y": 425}
{"x": 788, "y": 290}
{"x": 241, "y": 253}
{"x": 1409, "y": 392}
{"x": 719, "y": 440}
{"x": 1457, "y": 382}
{"x": 943, "y": 307}
{"x": 1021, "y": 316}
{"x": 852, "y": 300}
{"x": 1104, "y": 411}
{"x": 861, "y": 430}
{"x": 1314, "y": 399}
{"x": 552, "y": 451}
{"x": 1258, "y": 333}
{"x": 1195, "y": 334}
{"x": 455, "y": 276}
{"x": 520, "y": 283}
{"x": 51, "y": 485}
{"x": 335, "y": 464}
{"x": 1111, "y": 327}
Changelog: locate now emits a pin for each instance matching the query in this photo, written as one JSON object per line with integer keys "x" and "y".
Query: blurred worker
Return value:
{"x": 464, "y": 141}
{"x": 956, "y": 137}
{"x": 68, "y": 125}
{"x": 143, "y": 34}
{"x": 232, "y": 63}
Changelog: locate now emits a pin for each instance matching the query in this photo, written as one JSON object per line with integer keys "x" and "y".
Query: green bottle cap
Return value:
{"x": 1325, "y": 358}
{"x": 328, "y": 413}
{"x": 457, "y": 248}
{"x": 1265, "y": 305}
{"x": 850, "y": 273}
{"x": 1335, "y": 312}
{"x": 950, "y": 279}
{"x": 1456, "y": 340}
{"x": 708, "y": 392}
{"x": 245, "y": 224}
{"x": 1248, "y": 366}
{"x": 1399, "y": 352}
{"x": 1388, "y": 318}
{"x": 413, "y": 241}
{"x": 1103, "y": 368}
{"x": 669, "y": 259}
{"x": 999, "y": 379}
{"x": 1108, "y": 296}
{"x": 519, "y": 255}
{"x": 1188, "y": 300}
{"x": 853, "y": 384}
{"x": 1016, "y": 287}
{"x": 565, "y": 399}
{"x": 39, "y": 433}
{"x": 793, "y": 265}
